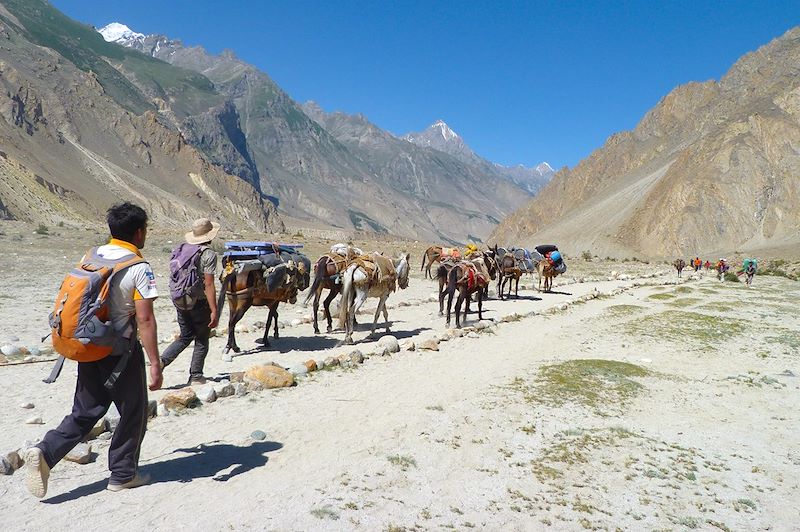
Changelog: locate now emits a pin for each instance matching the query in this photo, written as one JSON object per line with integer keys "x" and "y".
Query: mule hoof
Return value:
{"x": 329, "y": 329}
{"x": 237, "y": 350}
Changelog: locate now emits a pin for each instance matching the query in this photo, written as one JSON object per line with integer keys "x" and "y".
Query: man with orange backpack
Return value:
{"x": 101, "y": 306}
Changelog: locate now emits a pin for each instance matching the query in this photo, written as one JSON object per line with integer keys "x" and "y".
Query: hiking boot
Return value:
{"x": 37, "y": 472}
{"x": 197, "y": 379}
{"x": 135, "y": 482}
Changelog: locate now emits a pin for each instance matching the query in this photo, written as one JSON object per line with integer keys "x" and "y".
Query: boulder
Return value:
{"x": 10, "y": 350}
{"x": 295, "y": 322}
{"x": 311, "y": 365}
{"x": 100, "y": 427}
{"x": 5, "y": 466}
{"x": 237, "y": 376}
{"x": 269, "y": 376}
{"x": 298, "y": 370}
{"x": 320, "y": 363}
{"x": 224, "y": 390}
{"x": 389, "y": 342}
{"x": 455, "y": 333}
{"x": 162, "y": 411}
{"x": 112, "y": 417}
{"x": 241, "y": 389}
{"x": 258, "y": 435}
{"x": 408, "y": 345}
{"x": 3, "y": 359}
{"x": 206, "y": 393}
{"x": 180, "y": 399}
{"x": 36, "y": 420}
{"x": 356, "y": 357}
{"x": 80, "y": 454}
{"x": 473, "y": 335}
{"x": 26, "y": 406}
{"x": 331, "y": 362}
{"x": 152, "y": 408}
{"x": 431, "y": 344}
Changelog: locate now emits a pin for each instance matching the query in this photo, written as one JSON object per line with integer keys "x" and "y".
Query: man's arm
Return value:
{"x": 148, "y": 334}
{"x": 211, "y": 296}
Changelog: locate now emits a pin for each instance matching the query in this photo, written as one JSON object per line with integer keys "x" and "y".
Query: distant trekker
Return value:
{"x": 192, "y": 268}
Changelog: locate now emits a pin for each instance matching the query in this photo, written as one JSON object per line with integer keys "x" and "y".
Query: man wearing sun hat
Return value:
{"x": 192, "y": 269}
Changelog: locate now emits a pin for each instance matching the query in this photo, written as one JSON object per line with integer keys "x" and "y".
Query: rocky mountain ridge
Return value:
{"x": 331, "y": 167}
{"x": 712, "y": 168}
{"x": 440, "y": 136}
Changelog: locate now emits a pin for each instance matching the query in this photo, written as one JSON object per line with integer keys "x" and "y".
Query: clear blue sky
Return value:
{"x": 521, "y": 82}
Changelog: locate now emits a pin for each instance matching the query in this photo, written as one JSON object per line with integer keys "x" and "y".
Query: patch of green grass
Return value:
{"x": 718, "y": 306}
{"x": 438, "y": 408}
{"x": 683, "y": 290}
{"x": 731, "y": 277}
{"x": 623, "y": 310}
{"x": 325, "y": 512}
{"x": 594, "y": 383}
{"x": 687, "y": 328}
{"x": 684, "y": 302}
{"x": 403, "y": 462}
{"x": 785, "y": 337}
{"x": 662, "y": 296}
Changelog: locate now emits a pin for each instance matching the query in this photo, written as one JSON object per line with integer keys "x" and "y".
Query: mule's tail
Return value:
{"x": 347, "y": 295}
{"x": 319, "y": 275}
{"x": 424, "y": 256}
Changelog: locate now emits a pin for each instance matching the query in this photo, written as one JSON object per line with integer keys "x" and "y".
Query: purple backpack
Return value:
{"x": 186, "y": 282}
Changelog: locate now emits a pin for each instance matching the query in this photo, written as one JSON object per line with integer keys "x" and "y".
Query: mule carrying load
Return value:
{"x": 328, "y": 272}
{"x": 260, "y": 274}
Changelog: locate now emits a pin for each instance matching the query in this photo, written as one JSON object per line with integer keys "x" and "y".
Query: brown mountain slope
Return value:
{"x": 712, "y": 168}
{"x": 69, "y": 150}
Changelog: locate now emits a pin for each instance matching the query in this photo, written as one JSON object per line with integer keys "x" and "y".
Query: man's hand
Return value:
{"x": 211, "y": 297}
{"x": 156, "y": 378}
{"x": 214, "y": 319}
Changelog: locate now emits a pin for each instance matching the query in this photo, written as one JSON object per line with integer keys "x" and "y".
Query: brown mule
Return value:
{"x": 509, "y": 271}
{"x": 466, "y": 277}
{"x": 248, "y": 289}
{"x": 432, "y": 254}
{"x": 546, "y": 273}
{"x": 679, "y": 264}
{"x": 327, "y": 276}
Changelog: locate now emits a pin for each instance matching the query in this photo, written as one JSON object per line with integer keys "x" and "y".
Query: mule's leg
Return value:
{"x": 480, "y": 305}
{"x": 326, "y": 304}
{"x": 449, "y": 303}
{"x": 275, "y": 312}
{"x": 377, "y": 313}
{"x": 385, "y": 313}
{"x": 459, "y": 301}
{"x": 441, "y": 296}
{"x": 516, "y": 287}
{"x": 315, "y": 309}
{"x": 234, "y": 318}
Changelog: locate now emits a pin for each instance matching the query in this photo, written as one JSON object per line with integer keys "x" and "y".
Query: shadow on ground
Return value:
{"x": 204, "y": 461}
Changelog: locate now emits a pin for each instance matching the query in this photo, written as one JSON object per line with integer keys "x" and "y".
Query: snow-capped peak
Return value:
{"x": 545, "y": 168}
{"x": 444, "y": 129}
{"x": 120, "y": 33}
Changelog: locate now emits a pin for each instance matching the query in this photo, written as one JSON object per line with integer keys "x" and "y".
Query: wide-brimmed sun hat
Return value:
{"x": 203, "y": 230}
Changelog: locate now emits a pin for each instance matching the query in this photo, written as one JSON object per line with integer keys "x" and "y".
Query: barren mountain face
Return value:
{"x": 330, "y": 168}
{"x": 77, "y": 137}
{"x": 713, "y": 168}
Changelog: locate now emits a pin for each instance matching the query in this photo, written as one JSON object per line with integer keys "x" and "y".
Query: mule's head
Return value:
{"x": 491, "y": 264}
{"x": 402, "y": 269}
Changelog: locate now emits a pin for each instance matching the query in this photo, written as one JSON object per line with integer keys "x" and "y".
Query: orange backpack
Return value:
{"x": 80, "y": 322}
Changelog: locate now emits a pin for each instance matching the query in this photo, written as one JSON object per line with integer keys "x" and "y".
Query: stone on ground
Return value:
{"x": 224, "y": 390}
{"x": 26, "y": 406}
{"x": 80, "y": 454}
{"x": 112, "y": 417}
{"x": 36, "y": 420}
{"x": 431, "y": 344}
{"x": 389, "y": 342}
{"x": 100, "y": 427}
{"x": 206, "y": 393}
{"x": 180, "y": 399}
{"x": 311, "y": 365}
{"x": 331, "y": 362}
{"x": 408, "y": 345}
{"x": 258, "y": 435}
{"x": 298, "y": 370}
{"x": 269, "y": 376}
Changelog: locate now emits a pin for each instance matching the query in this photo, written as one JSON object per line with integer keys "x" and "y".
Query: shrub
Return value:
{"x": 42, "y": 230}
{"x": 587, "y": 256}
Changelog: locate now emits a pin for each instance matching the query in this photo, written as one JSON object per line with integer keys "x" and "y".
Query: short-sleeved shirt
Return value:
{"x": 208, "y": 265}
{"x": 134, "y": 283}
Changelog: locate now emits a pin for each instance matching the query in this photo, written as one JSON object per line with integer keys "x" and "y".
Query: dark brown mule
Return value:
{"x": 508, "y": 272}
{"x": 679, "y": 264}
{"x": 245, "y": 290}
{"x": 431, "y": 255}
{"x": 466, "y": 277}
{"x": 327, "y": 276}
{"x": 444, "y": 268}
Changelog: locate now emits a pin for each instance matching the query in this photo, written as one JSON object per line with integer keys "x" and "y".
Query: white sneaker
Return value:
{"x": 37, "y": 472}
{"x": 135, "y": 482}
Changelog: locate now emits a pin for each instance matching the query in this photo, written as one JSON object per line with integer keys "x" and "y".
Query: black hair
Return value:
{"x": 124, "y": 219}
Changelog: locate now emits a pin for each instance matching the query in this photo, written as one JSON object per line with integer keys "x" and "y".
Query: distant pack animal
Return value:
{"x": 366, "y": 276}
{"x": 466, "y": 277}
{"x": 513, "y": 264}
{"x": 432, "y": 255}
{"x": 679, "y": 265}
{"x": 442, "y": 272}
{"x": 280, "y": 278}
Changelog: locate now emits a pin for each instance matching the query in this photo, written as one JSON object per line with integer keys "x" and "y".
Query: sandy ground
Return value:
{"x": 655, "y": 406}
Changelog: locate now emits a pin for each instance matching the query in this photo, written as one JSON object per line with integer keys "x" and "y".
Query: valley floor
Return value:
{"x": 657, "y": 405}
